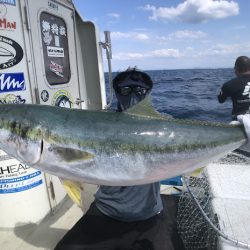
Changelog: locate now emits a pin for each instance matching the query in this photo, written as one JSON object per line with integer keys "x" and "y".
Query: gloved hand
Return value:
{"x": 245, "y": 120}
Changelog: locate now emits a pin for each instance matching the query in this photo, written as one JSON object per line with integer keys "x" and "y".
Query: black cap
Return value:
{"x": 132, "y": 77}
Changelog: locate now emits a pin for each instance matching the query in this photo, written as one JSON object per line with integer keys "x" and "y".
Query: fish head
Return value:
{"x": 21, "y": 142}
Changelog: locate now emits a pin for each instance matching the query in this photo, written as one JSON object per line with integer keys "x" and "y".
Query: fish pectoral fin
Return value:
{"x": 71, "y": 154}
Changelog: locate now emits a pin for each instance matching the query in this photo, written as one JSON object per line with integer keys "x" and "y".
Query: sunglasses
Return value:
{"x": 127, "y": 90}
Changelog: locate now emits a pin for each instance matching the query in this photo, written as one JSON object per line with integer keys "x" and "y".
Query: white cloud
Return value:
{"x": 227, "y": 49}
{"x": 195, "y": 11}
{"x": 216, "y": 51}
{"x": 129, "y": 35}
{"x": 118, "y": 35}
{"x": 187, "y": 34}
{"x": 141, "y": 37}
{"x": 162, "y": 38}
{"x": 127, "y": 56}
{"x": 163, "y": 53}
{"x": 181, "y": 35}
{"x": 114, "y": 15}
{"x": 239, "y": 27}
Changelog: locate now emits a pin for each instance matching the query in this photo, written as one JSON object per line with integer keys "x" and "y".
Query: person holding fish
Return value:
{"x": 238, "y": 88}
{"x": 123, "y": 217}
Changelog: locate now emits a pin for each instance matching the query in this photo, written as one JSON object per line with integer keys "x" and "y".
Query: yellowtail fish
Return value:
{"x": 111, "y": 148}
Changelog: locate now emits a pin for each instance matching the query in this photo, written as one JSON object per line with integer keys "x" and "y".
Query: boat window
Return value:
{"x": 55, "y": 49}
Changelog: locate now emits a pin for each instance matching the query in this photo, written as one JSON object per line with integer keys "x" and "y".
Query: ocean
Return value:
{"x": 190, "y": 93}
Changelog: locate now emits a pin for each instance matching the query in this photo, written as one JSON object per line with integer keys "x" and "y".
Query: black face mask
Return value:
{"x": 128, "y": 96}
{"x": 130, "y": 92}
{"x": 128, "y": 101}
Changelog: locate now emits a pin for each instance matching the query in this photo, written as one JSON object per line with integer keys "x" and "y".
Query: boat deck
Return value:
{"x": 53, "y": 227}
{"x": 44, "y": 235}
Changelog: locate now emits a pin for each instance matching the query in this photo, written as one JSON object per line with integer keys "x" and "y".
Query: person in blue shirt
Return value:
{"x": 142, "y": 202}
{"x": 125, "y": 217}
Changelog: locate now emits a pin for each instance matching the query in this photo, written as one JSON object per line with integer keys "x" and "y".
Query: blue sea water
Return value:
{"x": 190, "y": 93}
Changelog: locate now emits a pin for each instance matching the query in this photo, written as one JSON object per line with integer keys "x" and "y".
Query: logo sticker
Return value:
{"x": 45, "y": 95}
{"x": 20, "y": 183}
{"x": 12, "y": 99}
{"x": 246, "y": 91}
{"x": 10, "y": 82}
{"x": 62, "y": 98}
{"x": 8, "y": 2}
{"x": 53, "y": 5}
{"x": 16, "y": 176}
{"x": 47, "y": 38}
{"x": 55, "y": 51}
{"x": 7, "y": 25}
{"x": 11, "y": 53}
{"x": 56, "y": 68}
{"x": 3, "y": 10}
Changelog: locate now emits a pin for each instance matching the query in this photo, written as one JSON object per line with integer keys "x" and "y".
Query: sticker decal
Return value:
{"x": 19, "y": 184}
{"x": 45, "y": 95}
{"x": 15, "y": 176}
{"x": 55, "y": 51}
{"x": 11, "y": 53}
{"x": 10, "y": 82}
{"x": 53, "y": 5}
{"x": 7, "y": 25}
{"x": 62, "y": 98}
{"x": 56, "y": 68}
{"x": 5, "y": 52}
{"x": 3, "y": 10}
{"x": 54, "y": 28}
{"x": 12, "y": 99}
{"x": 47, "y": 38}
{"x": 8, "y": 2}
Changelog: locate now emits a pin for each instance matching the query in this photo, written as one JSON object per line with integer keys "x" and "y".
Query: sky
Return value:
{"x": 171, "y": 34}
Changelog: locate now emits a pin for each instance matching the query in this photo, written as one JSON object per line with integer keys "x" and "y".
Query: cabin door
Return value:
{"x": 53, "y": 53}
{"x": 53, "y": 40}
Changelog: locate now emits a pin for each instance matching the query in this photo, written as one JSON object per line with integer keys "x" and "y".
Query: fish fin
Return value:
{"x": 71, "y": 154}
{"x": 145, "y": 108}
{"x": 197, "y": 172}
{"x": 73, "y": 190}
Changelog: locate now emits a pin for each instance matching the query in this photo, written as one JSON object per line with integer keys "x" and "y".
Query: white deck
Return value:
{"x": 230, "y": 185}
{"x": 50, "y": 230}
{"x": 44, "y": 235}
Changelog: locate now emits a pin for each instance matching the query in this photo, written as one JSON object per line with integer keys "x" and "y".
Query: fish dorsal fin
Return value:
{"x": 145, "y": 108}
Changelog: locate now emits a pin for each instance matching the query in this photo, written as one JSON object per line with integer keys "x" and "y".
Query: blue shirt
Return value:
{"x": 132, "y": 203}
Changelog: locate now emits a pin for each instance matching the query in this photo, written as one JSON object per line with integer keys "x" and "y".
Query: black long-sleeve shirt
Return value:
{"x": 239, "y": 91}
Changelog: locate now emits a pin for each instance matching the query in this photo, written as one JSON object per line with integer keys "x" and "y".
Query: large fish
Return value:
{"x": 112, "y": 148}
